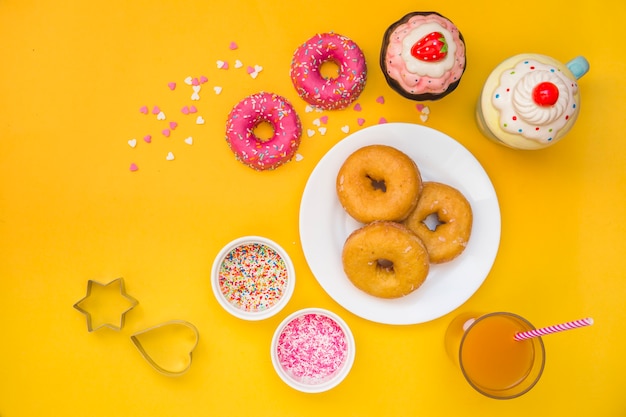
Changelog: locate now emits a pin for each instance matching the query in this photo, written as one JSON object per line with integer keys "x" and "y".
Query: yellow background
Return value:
{"x": 73, "y": 77}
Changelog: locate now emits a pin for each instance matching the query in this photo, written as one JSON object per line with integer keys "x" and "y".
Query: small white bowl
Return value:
{"x": 299, "y": 370}
{"x": 244, "y": 293}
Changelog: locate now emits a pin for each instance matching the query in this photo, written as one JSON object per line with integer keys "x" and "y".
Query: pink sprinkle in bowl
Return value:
{"x": 313, "y": 350}
{"x": 253, "y": 278}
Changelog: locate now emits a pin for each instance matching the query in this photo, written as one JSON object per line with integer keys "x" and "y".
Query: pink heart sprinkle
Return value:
{"x": 144, "y": 109}
{"x": 185, "y": 110}
{"x": 420, "y": 107}
{"x": 250, "y": 70}
{"x": 166, "y": 133}
{"x": 173, "y": 125}
{"x": 360, "y": 121}
{"x": 380, "y": 100}
{"x": 195, "y": 81}
{"x": 156, "y": 110}
{"x": 233, "y": 46}
{"x": 357, "y": 107}
{"x": 171, "y": 85}
{"x": 382, "y": 120}
{"x": 203, "y": 79}
{"x": 193, "y": 109}
{"x": 133, "y": 167}
{"x": 324, "y": 119}
{"x": 147, "y": 138}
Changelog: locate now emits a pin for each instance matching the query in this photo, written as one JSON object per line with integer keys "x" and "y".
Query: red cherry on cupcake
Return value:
{"x": 545, "y": 94}
{"x": 430, "y": 48}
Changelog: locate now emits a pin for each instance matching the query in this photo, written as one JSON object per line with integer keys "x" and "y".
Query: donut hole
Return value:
{"x": 377, "y": 184}
{"x": 330, "y": 69}
{"x": 385, "y": 264}
{"x": 263, "y": 131}
{"x": 432, "y": 221}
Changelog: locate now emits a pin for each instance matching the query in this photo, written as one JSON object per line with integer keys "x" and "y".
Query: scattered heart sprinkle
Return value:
{"x": 316, "y": 122}
{"x": 171, "y": 86}
{"x": 233, "y": 46}
{"x": 222, "y": 64}
{"x": 203, "y": 79}
{"x": 380, "y": 100}
{"x": 170, "y": 156}
{"x": 217, "y": 89}
{"x": 144, "y": 109}
{"x": 173, "y": 125}
{"x": 193, "y": 109}
{"x": 254, "y": 71}
{"x": 238, "y": 64}
{"x": 382, "y": 120}
{"x": 188, "y": 80}
{"x": 426, "y": 110}
{"x": 345, "y": 129}
{"x": 419, "y": 107}
{"x": 360, "y": 121}
{"x": 147, "y": 138}
{"x": 195, "y": 96}
{"x": 189, "y": 140}
{"x": 423, "y": 117}
{"x": 357, "y": 107}
{"x": 195, "y": 81}
{"x": 132, "y": 143}
{"x": 200, "y": 120}
{"x": 185, "y": 110}
{"x": 324, "y": 119}
{"x": 161, "y": 116}
{"x": 133, "y": 167}
{"x": 308, "y": 109}
{"x": 166, "y": 133}
{"x": 322, "y": 130}
{"x": 156, "y": 110}
{"x": 299, "y": 157}
{"x": 310, "y": 132}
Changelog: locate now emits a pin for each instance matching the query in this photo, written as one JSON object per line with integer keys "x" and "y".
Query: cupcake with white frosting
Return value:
{"x": 530, "y": 101}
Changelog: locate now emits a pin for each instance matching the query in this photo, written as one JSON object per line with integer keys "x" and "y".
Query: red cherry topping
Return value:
{"x": 545, "y": 94}
{"x": 431, "y": 48}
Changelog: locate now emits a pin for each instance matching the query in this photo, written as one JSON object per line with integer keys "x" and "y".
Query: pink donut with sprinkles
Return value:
{"x": 253, "y": 151}
{"x": 330, "y": 93}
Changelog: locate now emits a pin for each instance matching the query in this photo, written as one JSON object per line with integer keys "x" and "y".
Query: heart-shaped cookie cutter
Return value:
{"x": 168, "y": 347}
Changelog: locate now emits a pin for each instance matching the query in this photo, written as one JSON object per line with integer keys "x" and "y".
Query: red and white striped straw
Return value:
{"x": 554, "y": 329}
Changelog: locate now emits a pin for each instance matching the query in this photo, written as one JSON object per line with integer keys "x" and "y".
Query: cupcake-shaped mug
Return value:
{"x": 530, "y": 101}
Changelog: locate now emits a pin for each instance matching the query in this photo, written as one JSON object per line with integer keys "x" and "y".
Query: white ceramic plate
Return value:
{"x": 324, "y": 225}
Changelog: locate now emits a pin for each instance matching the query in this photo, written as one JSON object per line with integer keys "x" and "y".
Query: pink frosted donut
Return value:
{"x": 257, "y": 153}
{"x": 334, "y": 92}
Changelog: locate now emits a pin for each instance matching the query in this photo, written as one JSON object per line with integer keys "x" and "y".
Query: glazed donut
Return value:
{"x": 378, "y": 182}
{"x": 454, "y": 213}
{"x": 257, "y": 153}
{"x": 385, "y": 259}
{"x": 328, "y": 93}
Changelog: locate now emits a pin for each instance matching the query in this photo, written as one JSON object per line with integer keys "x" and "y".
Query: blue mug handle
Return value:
{"x": 579, "y": 66}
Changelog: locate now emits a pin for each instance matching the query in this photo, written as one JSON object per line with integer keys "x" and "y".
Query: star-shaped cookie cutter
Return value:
{"x": 91, "y": 307}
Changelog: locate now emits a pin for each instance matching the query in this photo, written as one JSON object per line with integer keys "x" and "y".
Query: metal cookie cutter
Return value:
{"x": 168, "y": 347}
{"x": 106, "y": 305}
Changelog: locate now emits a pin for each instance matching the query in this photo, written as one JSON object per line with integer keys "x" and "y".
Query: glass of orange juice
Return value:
{"x": 491, "y": 360}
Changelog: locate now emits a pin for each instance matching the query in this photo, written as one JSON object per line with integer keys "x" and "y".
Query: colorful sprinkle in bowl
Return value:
{"x": 253, "y": 278}
{"x": 313, "y": 350}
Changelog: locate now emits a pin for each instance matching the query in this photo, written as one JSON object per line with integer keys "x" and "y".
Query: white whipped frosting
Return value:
{"x": 422, "y": 68}
{"x": 519, "y": 114}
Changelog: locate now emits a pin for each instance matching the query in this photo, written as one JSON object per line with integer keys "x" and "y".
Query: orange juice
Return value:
{"x": 490, "y": 358}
